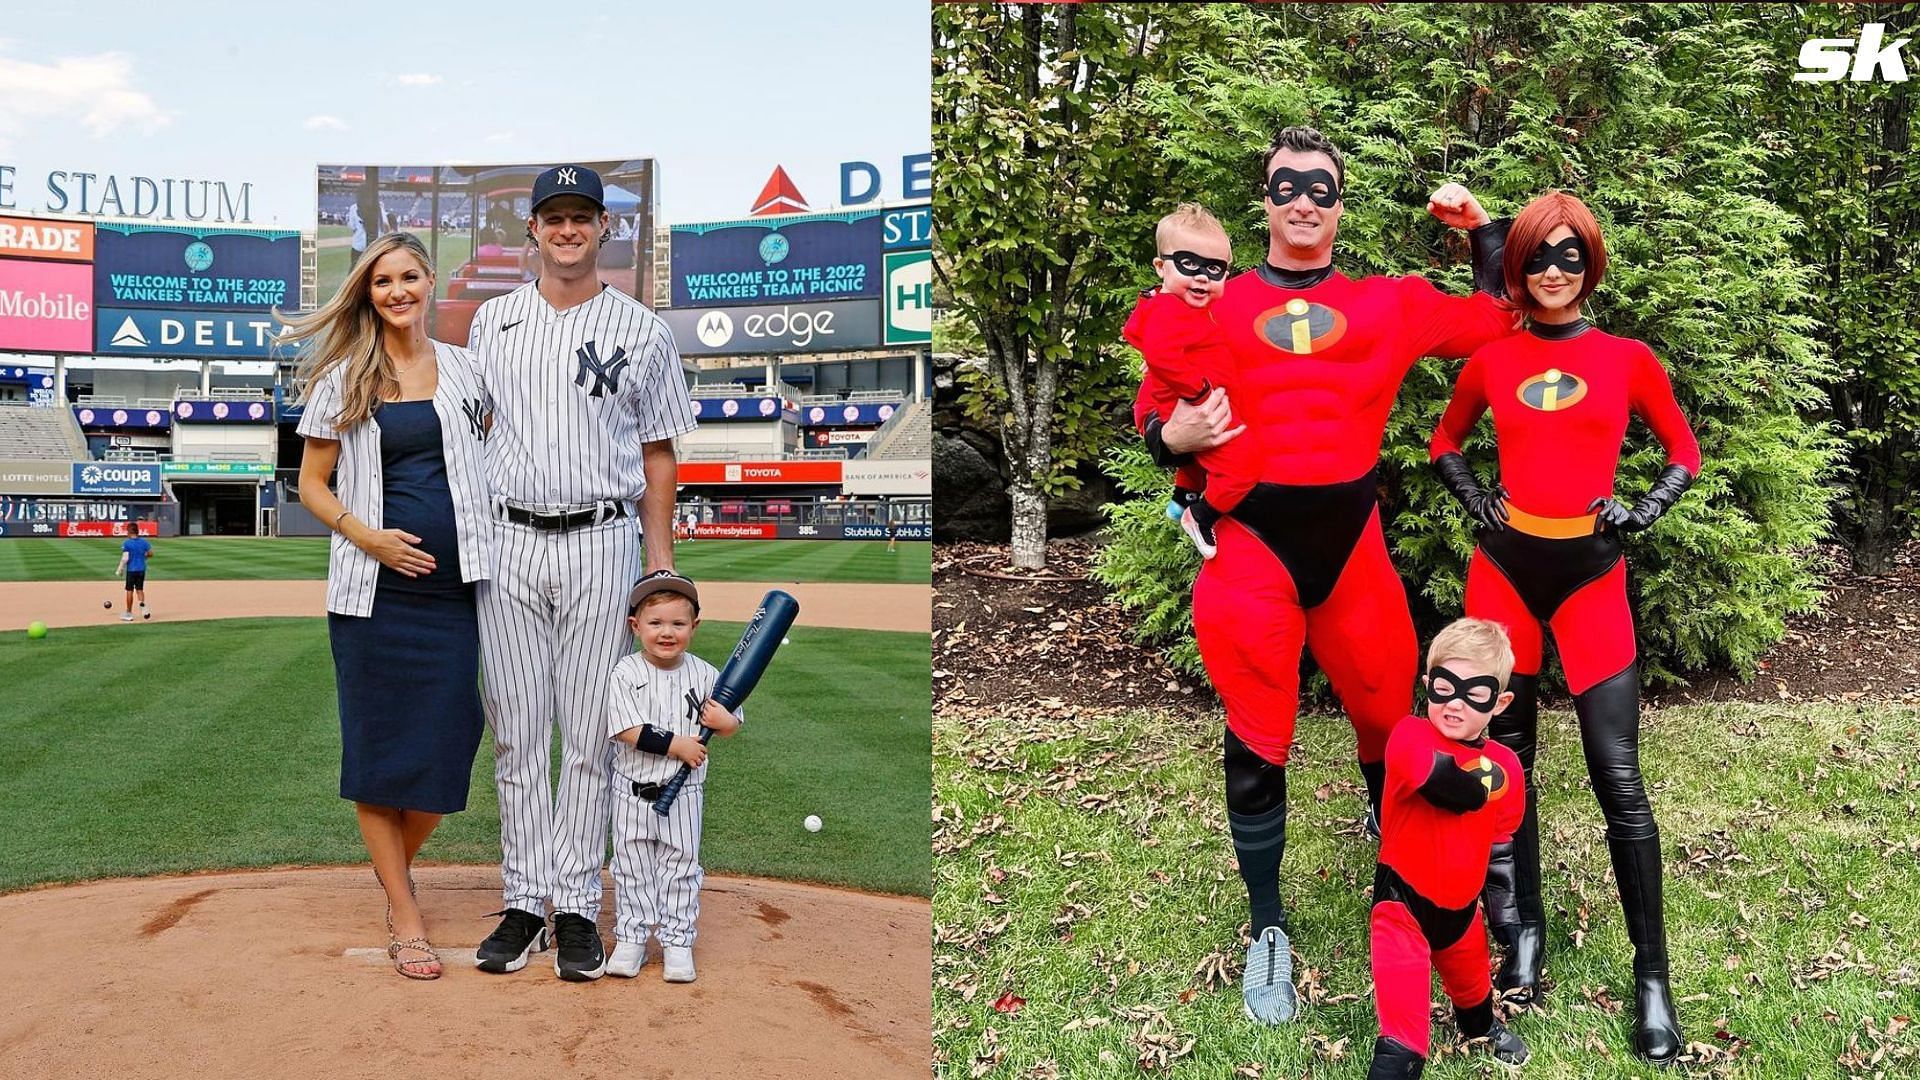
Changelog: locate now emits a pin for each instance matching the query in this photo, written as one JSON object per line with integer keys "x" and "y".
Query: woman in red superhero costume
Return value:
{"x": 1319, "y": 358}
{"x": 1550, "y": 553}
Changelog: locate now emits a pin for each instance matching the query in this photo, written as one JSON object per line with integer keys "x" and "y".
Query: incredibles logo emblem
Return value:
{"x": 1490, "y": 775}
{"x": 1552, "y": 391}
{"x": 1301, "y": 328}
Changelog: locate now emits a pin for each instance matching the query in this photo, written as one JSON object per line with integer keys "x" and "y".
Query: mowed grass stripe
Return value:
{"x": 244, "y": 558}
{"x": 216, "y": 744}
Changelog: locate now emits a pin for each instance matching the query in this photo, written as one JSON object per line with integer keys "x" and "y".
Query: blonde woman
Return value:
{"x": 398, "y": 415}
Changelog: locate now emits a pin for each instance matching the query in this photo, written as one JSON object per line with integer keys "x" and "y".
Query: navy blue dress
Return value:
{"x": 408, "y": 674}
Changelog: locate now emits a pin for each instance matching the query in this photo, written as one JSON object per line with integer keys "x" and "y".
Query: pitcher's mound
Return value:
{"x": 284, "y": 974}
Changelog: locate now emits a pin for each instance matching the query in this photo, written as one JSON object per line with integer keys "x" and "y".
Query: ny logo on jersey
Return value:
{"x": 476, "y": 420}
{"x": 606, "y": 376}
{"x": 694, "y": 704}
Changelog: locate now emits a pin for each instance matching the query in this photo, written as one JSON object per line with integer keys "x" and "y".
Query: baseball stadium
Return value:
{"x": 172, "y": 791}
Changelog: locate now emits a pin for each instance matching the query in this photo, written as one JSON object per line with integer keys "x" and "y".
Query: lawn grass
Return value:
{"x": 246, "y": 558}
{"x": 202, "y": 745}
{"x": 1082, "y": 863}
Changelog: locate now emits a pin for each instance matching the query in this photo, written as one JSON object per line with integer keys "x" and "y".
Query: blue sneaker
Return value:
{"x": 1266, "y": 986}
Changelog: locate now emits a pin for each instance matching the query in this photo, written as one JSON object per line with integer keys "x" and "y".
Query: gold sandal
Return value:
{"x": 396, "y": 946}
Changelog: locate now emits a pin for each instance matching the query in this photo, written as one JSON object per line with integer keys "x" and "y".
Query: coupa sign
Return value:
{"x": 116, "y": 478}
{"x": 1831, "y": 59}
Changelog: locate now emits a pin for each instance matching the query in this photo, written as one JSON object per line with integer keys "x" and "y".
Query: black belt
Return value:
{"x": 649, "y": 792}
{"x": 606, "y": 511}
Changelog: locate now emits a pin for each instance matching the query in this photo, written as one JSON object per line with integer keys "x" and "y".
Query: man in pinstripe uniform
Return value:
{"x": 586, "y": 394}
{"x": 659, "y": 700}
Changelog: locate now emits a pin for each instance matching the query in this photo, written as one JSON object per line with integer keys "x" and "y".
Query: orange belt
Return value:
{"x": 1551, "y": 528}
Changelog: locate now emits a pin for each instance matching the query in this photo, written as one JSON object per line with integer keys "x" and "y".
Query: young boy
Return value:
{"x": 1187, "y": 358}
{"x": 658, "y": 702}
{"x": 135, "y": 550}
{"x": 1451, "y": 794}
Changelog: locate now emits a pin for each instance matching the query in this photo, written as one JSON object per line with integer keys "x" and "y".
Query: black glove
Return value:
{"x": 1673, "y": 482}
{"x": 1157, "y": 446}
{"x": 1489, "y": 244}
{"x": 1488, "y": 508}
{"x": 1451, "y": 787}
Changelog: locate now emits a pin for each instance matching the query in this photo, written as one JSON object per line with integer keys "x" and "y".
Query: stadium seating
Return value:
{"x": 908, "y": 437}
{"x": 30, "y": 432}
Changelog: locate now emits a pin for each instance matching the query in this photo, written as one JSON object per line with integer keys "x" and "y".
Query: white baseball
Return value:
{"x": 786, "y": 641}
{"x": 812, "y": 823}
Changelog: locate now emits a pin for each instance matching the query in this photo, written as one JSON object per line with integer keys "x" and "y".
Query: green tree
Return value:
{"x": 1038, "y": 124}
{"x": 1850, "y": 178}
{"x": 1647, "y": 112}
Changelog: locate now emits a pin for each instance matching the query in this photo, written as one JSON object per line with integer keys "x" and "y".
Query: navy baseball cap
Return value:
{"x": 569, "y": 180}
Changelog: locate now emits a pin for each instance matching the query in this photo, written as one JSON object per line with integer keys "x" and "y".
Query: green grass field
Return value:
{"x": 456, "y": 246}
{"x": 216, "y": 744}
{"x": 245, "y": 558}
{"x": 1083, "y": 864}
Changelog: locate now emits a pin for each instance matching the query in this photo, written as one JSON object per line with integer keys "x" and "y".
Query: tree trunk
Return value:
{"x": 1029, "y": 524}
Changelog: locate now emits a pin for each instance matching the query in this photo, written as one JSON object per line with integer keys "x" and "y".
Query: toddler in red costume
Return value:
{"x": 1451, "y": 795}
{"x": 1187, "y": 358}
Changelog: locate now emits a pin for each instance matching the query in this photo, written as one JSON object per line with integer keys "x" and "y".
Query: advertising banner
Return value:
{"x": 121, "y": 416}
{"x": 781, "y": 257}
{"x": 760, "y": 472}
{"x": 909, "y": 297}
{"x": 45, "y": 307}
{"x": 166, "y": 266}
{"x": 775, "y": 328}
{"x": 33, "y": 238}
{"x": 116, "y": 478}
{"x": 842, "y": 415}
{"x": 473, "y": 220}
{"x": 762, "y": 530}
{"x": 193, "y": 334}
{"x": 709, "y": 410}
{"x": 36, "y": 477}
{"x": 888, "y": 478}
{"x": 217, "y": 468}
{"x": 223, "y": 412}
{"x": 904, "y": 228}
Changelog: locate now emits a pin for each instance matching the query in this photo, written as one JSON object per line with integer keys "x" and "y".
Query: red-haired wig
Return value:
{"x": 1530, "y": 229}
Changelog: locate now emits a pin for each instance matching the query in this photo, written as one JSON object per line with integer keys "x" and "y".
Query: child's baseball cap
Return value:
{"x": 663, "y": 581}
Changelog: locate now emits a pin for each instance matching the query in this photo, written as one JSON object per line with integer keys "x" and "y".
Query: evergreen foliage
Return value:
{"x": 1657, "y": 116}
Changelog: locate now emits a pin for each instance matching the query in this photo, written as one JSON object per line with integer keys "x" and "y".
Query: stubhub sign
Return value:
{"x": 165, "y": 332}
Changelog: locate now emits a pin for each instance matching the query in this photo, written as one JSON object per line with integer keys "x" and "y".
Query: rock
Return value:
{"x": 969, "y": 494}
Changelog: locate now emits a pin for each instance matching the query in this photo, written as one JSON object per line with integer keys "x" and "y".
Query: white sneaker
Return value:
{"x": 678, "y": 962}
{"x": 628, "y": 958}
{"x": 126, "y": 616}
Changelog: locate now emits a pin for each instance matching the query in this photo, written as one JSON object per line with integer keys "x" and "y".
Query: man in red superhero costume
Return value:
{"x": 1549, "y": 553}
{"x": 1451, "y": 795}
{"x": 1301, "y": 561}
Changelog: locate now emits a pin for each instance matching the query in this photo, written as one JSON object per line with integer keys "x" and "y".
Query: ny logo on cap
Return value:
{"x": 569, "y": 177}
{"x": 606, "y": 376}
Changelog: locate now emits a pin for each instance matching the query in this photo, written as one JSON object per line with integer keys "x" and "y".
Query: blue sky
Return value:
{"x": 718, "y": 92}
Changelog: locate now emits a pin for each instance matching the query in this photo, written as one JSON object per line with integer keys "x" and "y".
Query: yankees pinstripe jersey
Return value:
{"x": 351, "y": 573}
{"x": 670, "y": 700}
{"x": 575, "y": 393}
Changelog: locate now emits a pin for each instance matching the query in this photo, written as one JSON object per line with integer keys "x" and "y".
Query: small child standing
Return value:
{"x": 1451, "y": 794}
{"x": 135, "y": 550}
{"x": 1187, "y": 359}
{"x": 659, "y": 699}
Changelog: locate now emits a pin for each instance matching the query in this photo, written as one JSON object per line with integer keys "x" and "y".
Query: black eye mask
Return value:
{"x": 1479, "y": 693}
{"x": 1570, "y": 255}
{"x": 1197, "y": 265}
{"x": 1286, "y": 185}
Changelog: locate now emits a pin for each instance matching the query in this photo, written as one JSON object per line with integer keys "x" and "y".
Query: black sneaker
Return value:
{"x": 519, "y": 935}
{"x": 581, "y": 957}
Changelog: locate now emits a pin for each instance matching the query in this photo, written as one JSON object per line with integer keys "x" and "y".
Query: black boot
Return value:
{"x": 1516, "y": 915}
{"x": 1479, "y": 1022}
{"x": 1374, "y": 773}
{"x": 1656, "y": 1028}
{"x": 1391, "y": 1061}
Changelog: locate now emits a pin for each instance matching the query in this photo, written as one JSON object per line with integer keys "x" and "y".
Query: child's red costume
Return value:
{"x": 1445, "y": 805}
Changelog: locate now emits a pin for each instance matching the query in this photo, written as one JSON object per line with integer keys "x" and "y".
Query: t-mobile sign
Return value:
{"x": 46, "y": 306}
